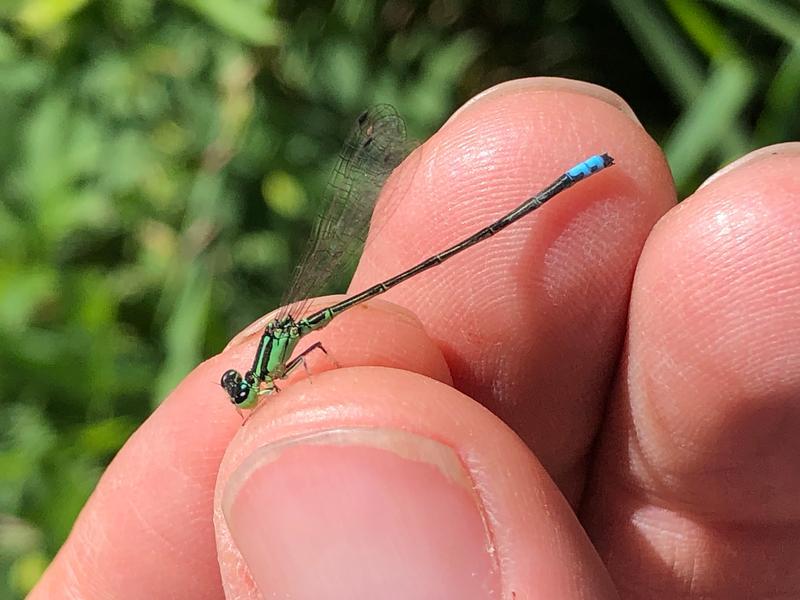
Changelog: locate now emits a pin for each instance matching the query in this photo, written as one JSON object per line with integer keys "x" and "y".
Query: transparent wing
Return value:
{"x": 375, "y": 147}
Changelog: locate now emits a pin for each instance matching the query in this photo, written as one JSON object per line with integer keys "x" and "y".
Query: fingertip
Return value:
{"x": 563, "y": 273}
{"x": 699, "y": 451}
{"x": 714, "y": 333}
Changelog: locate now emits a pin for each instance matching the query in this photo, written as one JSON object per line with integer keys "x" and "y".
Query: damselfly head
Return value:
{"x": 240, "y": 390}
{"x": 230, "y": 382}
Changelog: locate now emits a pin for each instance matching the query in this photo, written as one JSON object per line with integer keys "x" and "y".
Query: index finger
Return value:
{"x": 530, "y": 322}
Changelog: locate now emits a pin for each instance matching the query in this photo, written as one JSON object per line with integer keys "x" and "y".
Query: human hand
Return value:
{"x": 674, "y": 447}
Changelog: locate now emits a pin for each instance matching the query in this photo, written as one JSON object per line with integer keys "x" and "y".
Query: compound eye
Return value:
{"x": 230, "y": 378}
{"x": 230, "y": 382}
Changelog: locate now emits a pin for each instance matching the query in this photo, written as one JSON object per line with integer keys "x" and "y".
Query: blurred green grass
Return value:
{"x": 160, "y": 164}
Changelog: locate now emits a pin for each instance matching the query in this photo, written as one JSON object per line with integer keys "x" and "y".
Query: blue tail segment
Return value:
{"x": 591, "y": 165}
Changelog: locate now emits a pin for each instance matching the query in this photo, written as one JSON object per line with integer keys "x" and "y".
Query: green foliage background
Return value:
{"x": 158, "y": 158}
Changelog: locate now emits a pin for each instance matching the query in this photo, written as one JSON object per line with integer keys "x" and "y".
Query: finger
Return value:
{"x": 696, "y": 487}
{"x": 380, "y": 483}
{"x": 530, "y": 322}
{"x": 147, "y": 530}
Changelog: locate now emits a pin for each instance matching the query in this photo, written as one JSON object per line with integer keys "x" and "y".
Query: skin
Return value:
{"x": 630, "y": 433}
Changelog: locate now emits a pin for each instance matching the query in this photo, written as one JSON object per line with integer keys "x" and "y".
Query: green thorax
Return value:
{"x": 279, "y": 341}
{"x": 276, "y": 347}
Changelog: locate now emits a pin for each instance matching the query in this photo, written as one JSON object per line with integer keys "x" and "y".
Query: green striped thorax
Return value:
{"x": 277, "y": 343}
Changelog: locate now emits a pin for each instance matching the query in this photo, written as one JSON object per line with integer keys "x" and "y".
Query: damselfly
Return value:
{"x": 375, "y": 147}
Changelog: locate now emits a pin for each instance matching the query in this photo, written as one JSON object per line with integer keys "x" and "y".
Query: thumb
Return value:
{"x": 362, "y": 485}
{"x": 360, "y": 513}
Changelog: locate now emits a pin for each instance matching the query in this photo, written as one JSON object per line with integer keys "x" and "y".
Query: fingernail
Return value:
{"x": 784, "y": 149}
{"x": 551, "y": 84}
{"x": 361, "y": 513}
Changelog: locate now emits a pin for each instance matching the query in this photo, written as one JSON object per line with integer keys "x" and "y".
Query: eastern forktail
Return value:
{"x": 376, "y": 146}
